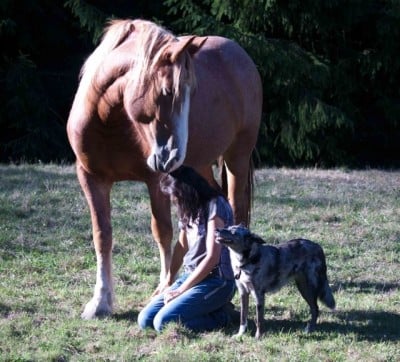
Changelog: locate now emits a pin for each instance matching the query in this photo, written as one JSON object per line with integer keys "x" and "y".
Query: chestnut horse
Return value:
{"x": 147, "y": 102}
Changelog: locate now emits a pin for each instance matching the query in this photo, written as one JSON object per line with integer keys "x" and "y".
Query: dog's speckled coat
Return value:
{"x": 261, "y": 269}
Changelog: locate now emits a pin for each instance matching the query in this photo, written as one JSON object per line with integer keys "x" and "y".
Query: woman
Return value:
{"x": 199, "y": 298}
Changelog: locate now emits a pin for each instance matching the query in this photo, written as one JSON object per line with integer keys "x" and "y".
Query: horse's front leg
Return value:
{"x": 161, "y": 225}
{"x": 97, "y": 192}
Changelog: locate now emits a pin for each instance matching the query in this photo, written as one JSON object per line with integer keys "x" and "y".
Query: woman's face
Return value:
{"x": 168, "y": 184}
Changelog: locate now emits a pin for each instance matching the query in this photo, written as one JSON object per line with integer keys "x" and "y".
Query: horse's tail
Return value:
{"x": 114, "y": 34}
{"x": 222, "y": 175}
{"x": 250, "y": 193}
{"x": 250, "y": 184}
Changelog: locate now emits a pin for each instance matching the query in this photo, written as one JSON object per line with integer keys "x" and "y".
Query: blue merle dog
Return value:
{"x": 261, "y": 268}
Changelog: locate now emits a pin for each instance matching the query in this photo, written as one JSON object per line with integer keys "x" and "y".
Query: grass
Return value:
{"x": 47, "y": 270}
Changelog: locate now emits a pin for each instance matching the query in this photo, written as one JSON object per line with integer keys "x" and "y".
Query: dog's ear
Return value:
{"x": 254, "y": 255}
{"x": 256, "y": 239}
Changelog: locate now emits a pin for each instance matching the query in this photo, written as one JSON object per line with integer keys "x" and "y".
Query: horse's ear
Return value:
{"x": 196, "y": 44}
{"x": 192, "y": 44}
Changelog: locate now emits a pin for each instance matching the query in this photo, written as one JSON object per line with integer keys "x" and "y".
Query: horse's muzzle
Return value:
{"x": 164, "y": 161}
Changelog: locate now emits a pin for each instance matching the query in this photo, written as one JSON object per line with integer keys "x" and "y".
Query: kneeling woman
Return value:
{"x": 200, "y": 296}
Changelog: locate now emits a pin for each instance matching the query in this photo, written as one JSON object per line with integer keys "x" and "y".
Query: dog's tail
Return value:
{"x": 326, "y": 295}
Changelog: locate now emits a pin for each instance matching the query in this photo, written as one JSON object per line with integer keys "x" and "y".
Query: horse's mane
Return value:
{"x": 151, "y": 41}
{"x": 152, "y": 44}
{"x": 114, "y": 34}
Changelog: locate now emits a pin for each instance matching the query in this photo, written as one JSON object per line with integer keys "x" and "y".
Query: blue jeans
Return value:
{"x": 201, "y": 308}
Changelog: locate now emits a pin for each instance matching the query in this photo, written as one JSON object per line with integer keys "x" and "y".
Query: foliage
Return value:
{"x": 37, "y": 73}
{"x": 43, "y": 48}
{"x": 48, "y": 269}
{"x": 24, "y": 110}
{"x": 91, "y": 18}
{"x": 330, "y": 71}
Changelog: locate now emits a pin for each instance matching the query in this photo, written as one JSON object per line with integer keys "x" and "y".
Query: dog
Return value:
{"x": 261, "y": 268}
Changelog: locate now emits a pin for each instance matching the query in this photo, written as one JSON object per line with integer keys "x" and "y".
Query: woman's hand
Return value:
{"x": 171, "y": 294}
{"x": 161, "y": 287}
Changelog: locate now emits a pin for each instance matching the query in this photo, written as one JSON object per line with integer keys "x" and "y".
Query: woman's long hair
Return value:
{"x": 189, "y": 191}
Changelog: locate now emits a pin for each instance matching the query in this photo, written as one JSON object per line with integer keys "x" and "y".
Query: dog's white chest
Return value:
{"x": 244, "y": 280}
{"x": 243, "y": 274}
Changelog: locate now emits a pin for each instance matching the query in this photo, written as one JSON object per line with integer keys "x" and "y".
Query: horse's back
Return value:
{"x": 224, "y": 66}
{"x": 227, "y": 101}
{"x": 230, "y": 60}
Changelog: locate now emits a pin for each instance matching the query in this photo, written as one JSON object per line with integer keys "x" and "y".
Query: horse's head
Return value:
{"x": 158, "y": 97}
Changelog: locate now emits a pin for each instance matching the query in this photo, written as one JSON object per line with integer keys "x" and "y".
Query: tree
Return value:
{"x": 329, "y": 69}
{"x": 35, "y": 70}
{"x": 43, "y": 48}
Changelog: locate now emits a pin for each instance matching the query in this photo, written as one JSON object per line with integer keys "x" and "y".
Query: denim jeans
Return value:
{"x": 201, "y": 308}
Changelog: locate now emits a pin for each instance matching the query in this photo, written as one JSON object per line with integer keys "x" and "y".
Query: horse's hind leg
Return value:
{"x": 239, "y": 173}
{"x": 97, "y": 194}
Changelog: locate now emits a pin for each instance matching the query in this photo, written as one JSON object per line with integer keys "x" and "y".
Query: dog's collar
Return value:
{"x": 253, "y": 259}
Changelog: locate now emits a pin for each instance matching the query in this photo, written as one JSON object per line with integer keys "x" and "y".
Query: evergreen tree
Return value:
{"x": 34, "y": 75}
{"x": 329, "y": 69}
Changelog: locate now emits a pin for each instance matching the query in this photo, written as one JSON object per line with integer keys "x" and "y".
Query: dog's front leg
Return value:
{"x": 244, "y": 311}
{"x": 260, "y": 302}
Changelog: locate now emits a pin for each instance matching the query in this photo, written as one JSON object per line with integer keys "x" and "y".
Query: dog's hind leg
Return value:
{"x": 309, "y": 293}
{"x": 260, "y": 303}
{"x": 244, "y": 311}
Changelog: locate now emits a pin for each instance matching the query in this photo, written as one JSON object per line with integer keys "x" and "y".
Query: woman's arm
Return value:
{"x": 180, "y": 249}
{"x": 206, "y": 265}
{"x": 179, "y": 252}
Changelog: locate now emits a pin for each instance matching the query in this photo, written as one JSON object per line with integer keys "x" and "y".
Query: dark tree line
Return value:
{"x": 330, "y": 69}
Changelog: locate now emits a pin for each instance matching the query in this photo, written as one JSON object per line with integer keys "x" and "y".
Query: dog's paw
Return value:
{"x": 309, "y": 328}
{"x": 258, "y": 335}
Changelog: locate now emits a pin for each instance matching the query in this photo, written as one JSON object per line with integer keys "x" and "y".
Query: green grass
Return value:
{"x": 47, "y": 270}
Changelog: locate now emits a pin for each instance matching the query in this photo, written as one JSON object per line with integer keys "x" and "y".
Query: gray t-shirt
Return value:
{"x": 196, "y": 232}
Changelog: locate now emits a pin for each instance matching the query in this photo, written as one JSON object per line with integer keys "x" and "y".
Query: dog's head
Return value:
{"x": 238, "y": 238}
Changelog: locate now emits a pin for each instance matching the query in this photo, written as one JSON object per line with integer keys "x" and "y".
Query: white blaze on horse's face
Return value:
{"x": 169, "y": 148}
{"x": 158, "y": 98}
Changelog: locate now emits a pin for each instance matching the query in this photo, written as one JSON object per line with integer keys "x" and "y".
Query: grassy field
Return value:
{"x": 47, "y": 271}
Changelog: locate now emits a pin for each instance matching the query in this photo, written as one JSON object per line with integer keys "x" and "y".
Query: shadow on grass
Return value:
{"x": 130, "y": 315}
{"x": 372, "y": 326}
{"x": 4, "y": 310}
{"x": 368, "y": 287}
{"x": 302, "y": 202}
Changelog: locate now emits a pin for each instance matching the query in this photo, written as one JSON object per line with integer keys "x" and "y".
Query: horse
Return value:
{"x": 147, "y": 102}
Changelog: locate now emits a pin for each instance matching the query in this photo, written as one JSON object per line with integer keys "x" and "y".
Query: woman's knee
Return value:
{"x": 144, "y": 320}
{"x": 161, "y": 319}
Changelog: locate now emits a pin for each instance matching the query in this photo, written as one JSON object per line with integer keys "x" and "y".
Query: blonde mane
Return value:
{"x": 114, "y": 34}
{"x": 153, "y": 42}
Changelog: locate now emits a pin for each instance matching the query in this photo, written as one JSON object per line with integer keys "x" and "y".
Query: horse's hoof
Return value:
{"x": 94, "y": 309}
{"x": 238, "y": 336}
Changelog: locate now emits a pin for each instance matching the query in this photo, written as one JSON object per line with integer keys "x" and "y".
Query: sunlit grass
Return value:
{"x": 47, "y": 270}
